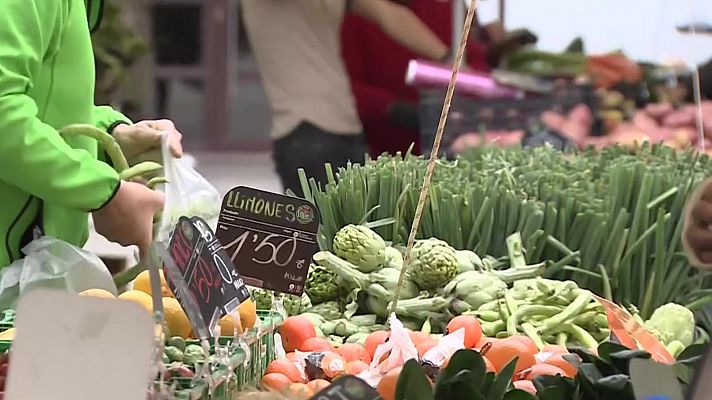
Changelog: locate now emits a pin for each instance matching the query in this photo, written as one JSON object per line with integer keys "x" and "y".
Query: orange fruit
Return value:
{"x": 425, "y": 346}
{"x": 332, "y": 364}
{"x": 527, "y": 341}
{"x": 387, "y": 386}
{"x": 544, "y": 369}
{"x": 295, "y": 331}
{"x": 504, "y": 351}
{"x": 484, "y": 341}
{"x": 488, "y": 365}
{"x": 292, "y": 357}
{"x": 139, "y": 297}
{"x": 98, "y": 293}
{"x": 143, "y": 283}
{"x": 555, "y": 348}
{"x": 248, "y": 314}
{"x": 176, "y": 319}
{"x": 557, "y": 360}
{"x": 315, "y": 344}
{"x": 525, "y": 385}
{"x": 286, "y": 368}
{"x": 473, "y": 329}
{"x": 374, "y": 340}
{"x": 355, "y": 367}
{"x": 298, "y": 391}
{"x": 418, "y": 337}
{"x": 275, "y": 381}
{"x": 318, "y": 384}
{"x": 228, "y": 325}
{"x": 354, "y": 352}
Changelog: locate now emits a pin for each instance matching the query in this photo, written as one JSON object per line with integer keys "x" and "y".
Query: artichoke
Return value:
{"x": 360, "y": 246}
{"x": 434, "y": 264}
{"x": 468, "y": 260}
{"x": 330, "y": 310}
{"x": 475, "y": 288}
{"x": 296, "y": 305}
{"x": 322, "y": 285}
{"x": 394, "y": 258}
{"x": 263, "y": 298}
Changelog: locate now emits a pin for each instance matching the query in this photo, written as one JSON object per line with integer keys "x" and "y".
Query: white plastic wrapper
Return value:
{"x": 401, "y": 349}
{"x": 447, "y": 346}
{"x": 187, "y": 194}
{"x": 54, "y": 264}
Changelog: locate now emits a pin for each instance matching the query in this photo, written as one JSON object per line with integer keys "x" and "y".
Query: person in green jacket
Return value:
{"x": 47, "y": 181}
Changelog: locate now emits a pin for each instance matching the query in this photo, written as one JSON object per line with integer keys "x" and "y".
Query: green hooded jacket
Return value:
{"x": 47, "y": 82}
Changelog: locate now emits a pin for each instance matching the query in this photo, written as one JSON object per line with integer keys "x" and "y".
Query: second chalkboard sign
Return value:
{"x": 270, "y": 238}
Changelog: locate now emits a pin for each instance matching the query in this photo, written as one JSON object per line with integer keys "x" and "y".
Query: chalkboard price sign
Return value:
{"x": 205, "y": 270}
{"x": 348, "y": 388}
{"x": 270, "y": 238}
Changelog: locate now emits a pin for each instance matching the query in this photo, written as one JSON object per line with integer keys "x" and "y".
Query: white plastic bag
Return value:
{"x": 187, "y": 194}
{"x": 447, "y": 346}
{"x": 399, "y": 348}
{"x": 54, "y": 264}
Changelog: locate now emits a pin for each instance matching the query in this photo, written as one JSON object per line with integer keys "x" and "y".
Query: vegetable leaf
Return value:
{"x": 413, "y": 384}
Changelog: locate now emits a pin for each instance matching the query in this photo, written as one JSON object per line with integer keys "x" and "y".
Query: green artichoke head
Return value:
{"x": 394, "y": 258}
{"x": 296, "y": 304}
{"x": 434, "y": 264}
{"x": 360, "y": 246}
{"x": 322, "y": 285}
{"x": 330, "y": 310}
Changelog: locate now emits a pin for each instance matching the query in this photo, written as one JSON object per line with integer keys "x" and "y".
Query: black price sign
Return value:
{"x": 205, "y": 270}
{"x": 270, "y": 238}
{"x": 348, "y": 388}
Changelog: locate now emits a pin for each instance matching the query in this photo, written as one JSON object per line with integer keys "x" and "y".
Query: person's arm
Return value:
{"x": 373, "y": 103}
{"x": 33, "y": 157}
{"x": 106, "y": 118}
{"x": 403, "y": 26}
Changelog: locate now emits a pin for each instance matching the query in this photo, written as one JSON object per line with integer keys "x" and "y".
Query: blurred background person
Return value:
{"x": 297, "y": 48}
{"x": 387, "y": 106}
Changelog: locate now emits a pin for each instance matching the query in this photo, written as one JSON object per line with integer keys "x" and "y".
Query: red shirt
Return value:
{"x": 377, "y": 65}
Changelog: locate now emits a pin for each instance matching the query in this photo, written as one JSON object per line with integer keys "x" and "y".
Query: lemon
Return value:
{"x": 143, "y": 283}
{"x": 248, "y": 314}
{"x": 228, "y": 325}
{"x": 176, "y": 320}
{"x": 139, "y": 297}
{"x": 100, "y": 293}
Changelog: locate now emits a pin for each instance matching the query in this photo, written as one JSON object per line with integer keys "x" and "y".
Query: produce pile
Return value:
{"x": 622, "y": 124}
{"x": 609, "y": 220}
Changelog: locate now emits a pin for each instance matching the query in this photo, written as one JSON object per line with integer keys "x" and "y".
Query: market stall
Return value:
{"x": 552, "y": 270}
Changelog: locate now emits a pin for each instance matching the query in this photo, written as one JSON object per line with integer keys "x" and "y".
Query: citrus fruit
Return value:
{"x": 228, "y": 325}
{"x": 356, "y": 367}
{"x": 99, "y": 293}
{"x": 176, "y": 320}
{"x": 544, "y": 369}
{"x": 472, "y": 327}
{"x": 374, "y": 340}
{"x": 387, "y": 386}
{"x": 298, "y": 391}
{"x": 318, "y": 384}
{"x": 488, "y": 365}
{"x": 425, "y": 346}
{"x": 143, "y": 283}
{"x": 418, "y": 337}
{"x": 295, "y": 331}
{"x": 275, "y": 381}
{"x": 504, "y": 351}
{"x": 525, "y": 340}
{"x": 525, "y": 385}
{"x": 354, "y": 352}
{"x": 315, "y": 344}
{"x": 555, "y": 348}
{"x": 285, "y": 367}
{"x": 292, "y": 357}
{"x": 558, "y": 360}
{"x": 248, "y": 314}
{"x": 139, "y": 297}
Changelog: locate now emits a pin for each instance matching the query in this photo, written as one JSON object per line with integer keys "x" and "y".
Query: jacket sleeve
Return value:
{"x": 105, "y": 117}
{"x": 33, "y": 157}
{"x": 373, "y": 103}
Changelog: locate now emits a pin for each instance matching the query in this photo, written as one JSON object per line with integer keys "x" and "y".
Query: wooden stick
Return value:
{"x": 436, "y": 148}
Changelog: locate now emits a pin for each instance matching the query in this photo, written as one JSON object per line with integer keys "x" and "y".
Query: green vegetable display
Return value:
{"x": 613, "y": 217}
{"x": 674, "y": 326}
{"x": 194, "y": 354}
